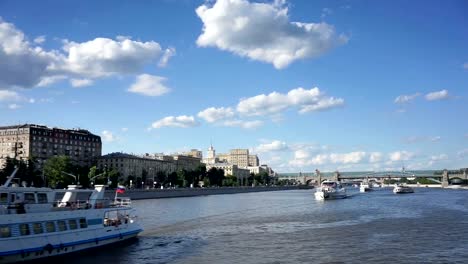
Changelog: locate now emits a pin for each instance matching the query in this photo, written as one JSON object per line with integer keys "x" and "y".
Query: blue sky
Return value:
{"x": 333, "y": 85}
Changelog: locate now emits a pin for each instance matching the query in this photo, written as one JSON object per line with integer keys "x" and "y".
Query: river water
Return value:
{"x": 428, "y": 226}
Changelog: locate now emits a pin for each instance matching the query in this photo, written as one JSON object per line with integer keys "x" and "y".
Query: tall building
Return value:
{"x": 40, "y": 143}
{"x": 194, "y": 153}
{"x": 239, "y": 157}
{"x": 211, "y": 156}
{"x": 253, "y": 161}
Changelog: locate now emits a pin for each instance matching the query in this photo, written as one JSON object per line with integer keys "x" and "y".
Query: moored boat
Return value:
{"x": 330, "y": 190}
{"x": 365, "y": 187}
{"x": 34, "y": 225}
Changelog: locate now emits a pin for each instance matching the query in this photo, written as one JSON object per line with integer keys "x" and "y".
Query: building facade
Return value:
{"x": 230, "y": 170}
{"x": 29, "y": 141}
{"x": 194, "y": 153}
{"x": 130, "y": 165}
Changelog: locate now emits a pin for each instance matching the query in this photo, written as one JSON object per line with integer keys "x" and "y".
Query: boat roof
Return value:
{"x": 26, "y": 189}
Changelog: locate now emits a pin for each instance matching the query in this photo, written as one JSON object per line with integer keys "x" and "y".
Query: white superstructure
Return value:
{"x": 330, "y": 190}
{"x": 34, "y": 225}
{"x": 402, "y": 189}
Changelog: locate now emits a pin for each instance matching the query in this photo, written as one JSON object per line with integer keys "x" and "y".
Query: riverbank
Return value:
{"x": 188, "y": 192}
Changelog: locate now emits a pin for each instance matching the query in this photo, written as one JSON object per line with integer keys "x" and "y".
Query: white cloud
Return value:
{"x": 168, "y": 53}
{"x": 107, "y": 136}
{"x": 465, "y": 66}
{"x": 263, "y": 32}
{"x": 275, "y": 145}
{"x": 375, "y": 157}
{"x": 149, "y": 85}
{"x": 48, "y": 80}
{"x": 32, "y": 100}
{"x": 301, "y": 154}
{"x": 400, "y": 156}
{"x": 81, "y": 82}
{"x": 345, "y": 158}
{"x": 406, "y": 98}
{"x": 435, "y": 139}
{"x": 40, "y": 39}
{"x": 213, "y": 114}
{"x": 6, "y": 95}
{"x": 172, "y": 121}
{"x": 26, "y": 65}
{"x": 273, "y": 103}
{"x": 22, "y": 65}
{"x": 14, "y": 106}
{"x": 243, "y": 124}
{"x": 439, "y": 95}
{"x": 124, "y": 129}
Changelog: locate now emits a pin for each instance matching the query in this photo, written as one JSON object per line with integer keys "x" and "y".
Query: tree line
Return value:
{"x": 60, "y": 171}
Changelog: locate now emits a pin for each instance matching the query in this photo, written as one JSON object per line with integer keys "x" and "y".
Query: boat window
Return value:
{"x": 24, "y": 229}
{"x": 42, "y": 198}
{"x": 62, "y": 226}
{"x": 72, "y": 224}
{"x": 3, "y": 198}
{"x": 50, "y": 227}
{"x": 5, "y": 231}
{"x": 29, "y": 198}
{"x": 37, "y": 228}
{"x": 83, "y": 223}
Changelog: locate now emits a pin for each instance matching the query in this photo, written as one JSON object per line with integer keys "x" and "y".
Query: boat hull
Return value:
{"x": 400, "y": 190}
{"x": 32, "y": 247}
{"x": 324, "y": 195}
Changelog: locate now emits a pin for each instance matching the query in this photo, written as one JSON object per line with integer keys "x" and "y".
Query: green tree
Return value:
{"x": 172, "y": 178}
{"x": 53, "y": 169}
{"x": 161, "y": 177}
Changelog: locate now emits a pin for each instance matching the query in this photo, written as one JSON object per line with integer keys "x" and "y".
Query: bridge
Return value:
{"x": 444, "y": 178}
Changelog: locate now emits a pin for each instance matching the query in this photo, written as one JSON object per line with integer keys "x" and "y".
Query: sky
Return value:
{"x": 329, "y": 85}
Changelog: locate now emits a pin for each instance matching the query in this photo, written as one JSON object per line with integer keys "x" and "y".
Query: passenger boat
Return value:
{"x": 33, "y": 224}
{"x": 399, "y": 188}
{"x": 330, "y": 190}
{"x": 365, "y": 187}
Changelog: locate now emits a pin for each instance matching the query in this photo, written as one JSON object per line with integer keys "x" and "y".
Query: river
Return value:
{"x": 428, "y": 226}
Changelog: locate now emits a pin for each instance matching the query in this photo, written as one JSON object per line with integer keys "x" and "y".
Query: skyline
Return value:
{"x": 305, "y": 85}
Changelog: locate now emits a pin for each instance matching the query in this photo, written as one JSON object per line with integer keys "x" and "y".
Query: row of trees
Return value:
{"x": 59, "y": 171}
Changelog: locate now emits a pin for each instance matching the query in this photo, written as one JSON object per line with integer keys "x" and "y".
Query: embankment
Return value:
{"x": 187, "y": 192}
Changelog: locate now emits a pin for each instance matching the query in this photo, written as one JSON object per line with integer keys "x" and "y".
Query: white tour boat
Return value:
{"x": 34, "y": 225}
{"x": 365, "y": 187}
{"x": 399, "y": 188}
{"x": 330, "y": 190}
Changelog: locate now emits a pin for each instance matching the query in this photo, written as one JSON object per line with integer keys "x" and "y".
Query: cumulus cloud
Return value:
{"x": 108, "y": 136}
{"x": 439, "y": 95}
{"x": 22, "y": 64}
{"x": 149, "y": 85}
{"x": 263, "y": 32}
{"x": 81, "y": 82}
{"x": 26, "y": 65}
{"x": 435, "y": 139}
{"x": 213, "y": 114}
{"x": 406, "y": 98}
{"x": 400, "y": 156}
{"x": 275, "y": 145}
{"x": 273, "y": 103}
{"x": 345, "y": 158}
{"x": 465, "y": 66}
{"x": 462, "y": 154}
{"x": 175, "y": 121}
{"x": 243, "y": 124}
{"x": 375, "y": 157}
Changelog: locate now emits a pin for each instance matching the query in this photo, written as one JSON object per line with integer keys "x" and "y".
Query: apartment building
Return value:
{"x": 30, "y": 141}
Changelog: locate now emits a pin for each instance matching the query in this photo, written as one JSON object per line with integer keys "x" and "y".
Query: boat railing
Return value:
{"x": 122, "y": 201}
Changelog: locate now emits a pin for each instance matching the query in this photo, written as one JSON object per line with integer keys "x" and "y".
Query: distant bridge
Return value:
{"x": 313, "y": 178}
